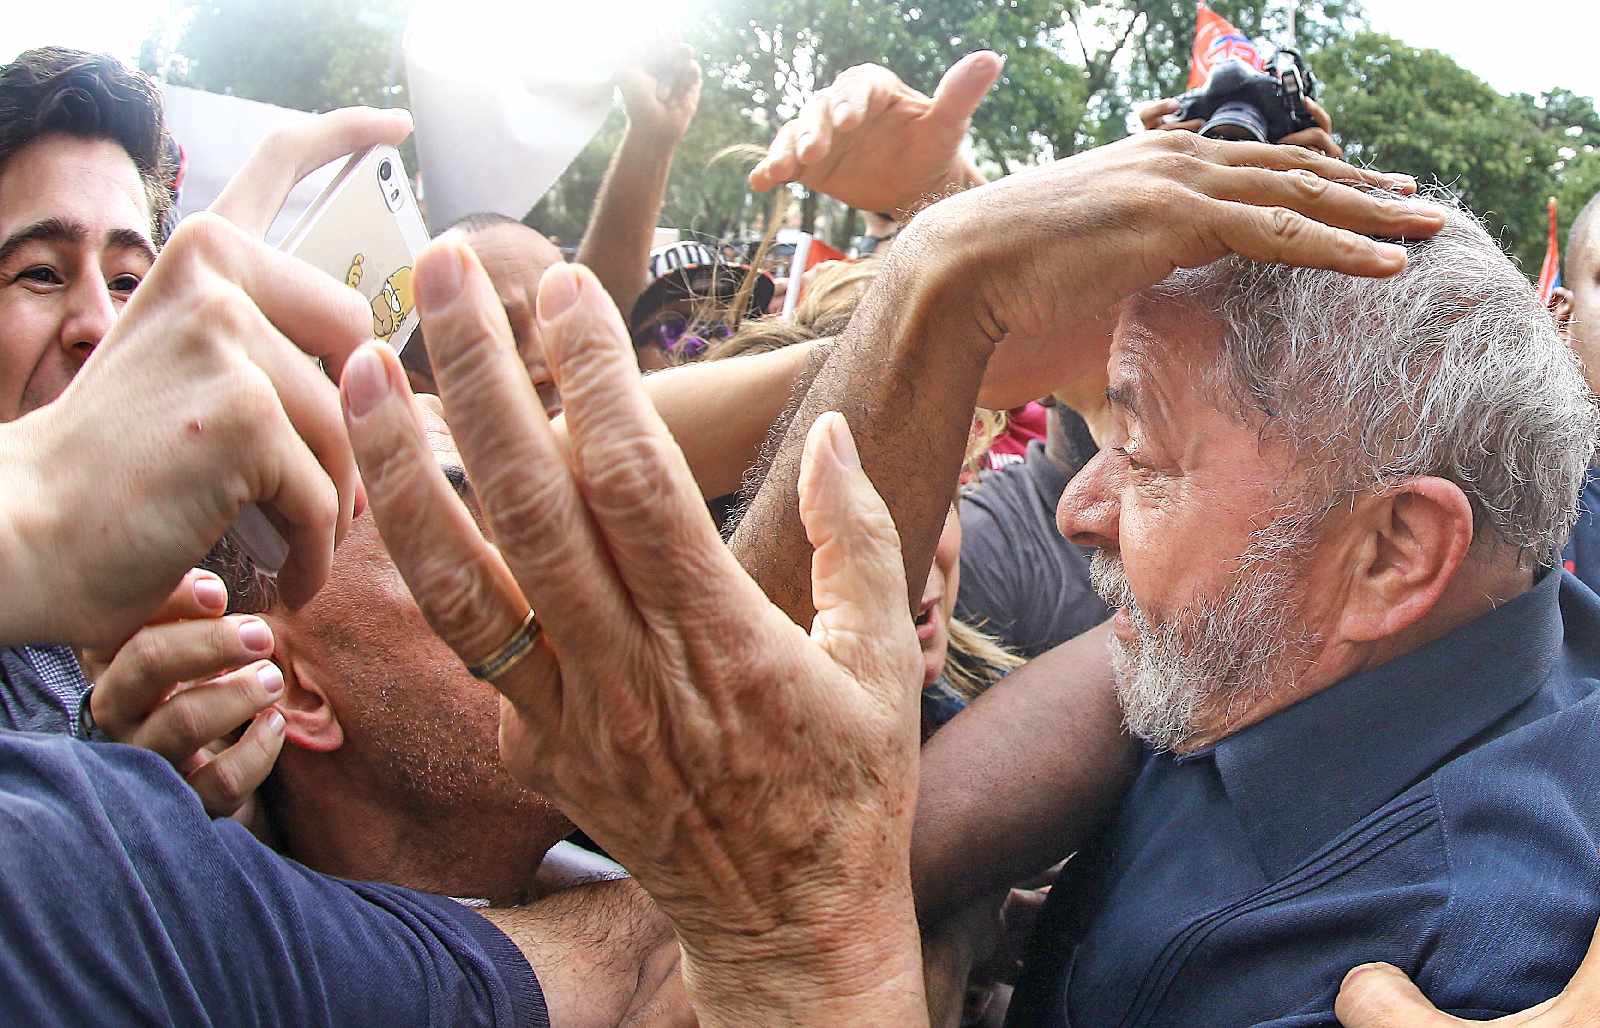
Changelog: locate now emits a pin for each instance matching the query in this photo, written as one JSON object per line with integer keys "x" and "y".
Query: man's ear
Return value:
{"x": 1413, "y": 539}
{"x": 1561, "y": 310}
{"x": 309, "y": 720}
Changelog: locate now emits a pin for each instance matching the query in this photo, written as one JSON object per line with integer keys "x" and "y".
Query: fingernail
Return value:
{"x": 558, "y": 292}
{"x": 366, "y": 381}
{"x": 275, "y": 723}
{"x": 844, "y": 445}
{"x": 255, "y": 635}
{"x": 209, "y": 592}
{"x": 1391, "y": 252}
{"x": 439, "y": 278}
{"x": 804, "y": 141}
{"x": 1403, "y": 182}
{"x": 271, "y": 679}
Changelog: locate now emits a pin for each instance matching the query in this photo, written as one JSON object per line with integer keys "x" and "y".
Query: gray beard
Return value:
{"x": 1207, "y": 665}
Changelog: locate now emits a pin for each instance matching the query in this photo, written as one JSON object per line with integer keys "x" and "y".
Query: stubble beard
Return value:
{"x": 1201, "y": 670}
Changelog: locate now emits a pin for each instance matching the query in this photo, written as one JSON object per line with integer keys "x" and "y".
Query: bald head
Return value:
{"x": 516, "y": 258}
{"x": 1581, "y": 276}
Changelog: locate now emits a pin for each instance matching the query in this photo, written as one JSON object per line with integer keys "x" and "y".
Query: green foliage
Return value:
{"x": 1075, "y": 70}
{"x": 1413, "y": 110}
{"x": 311, "y": 55}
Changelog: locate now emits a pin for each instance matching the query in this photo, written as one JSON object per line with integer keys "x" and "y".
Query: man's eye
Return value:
{"x": 42, "y": 273}
{"x": 1125, "y": 454}
{"x": 124, "y": 283}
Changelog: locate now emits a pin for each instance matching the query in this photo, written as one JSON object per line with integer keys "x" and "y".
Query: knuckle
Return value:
{"x": 522, "y": 507}
{"x": 226, "y": 789}
{"x": 456, "y": 600}
{"x": 202, "y": 235}
{"x": 1286, "y": 224}
{"x": 1308, "y": 184}
{"x": 188, "y": 722}
{"x": 626, "y": 477}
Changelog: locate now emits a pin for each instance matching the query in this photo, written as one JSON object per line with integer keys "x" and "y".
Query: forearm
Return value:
{"x": 905, "y": 376}
{"x": 616, "y": 245}
{"x": 589, "y": 946}
{"x": 1020, "y": 779}
{"x": 721, "y": 411}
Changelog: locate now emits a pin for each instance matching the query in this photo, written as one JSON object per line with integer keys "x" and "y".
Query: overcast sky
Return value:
{"x": 1521, "y": 45}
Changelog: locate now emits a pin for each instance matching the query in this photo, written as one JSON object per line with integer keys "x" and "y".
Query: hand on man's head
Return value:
{"x": 1038, "y": 259}
{"x": 672, "y": 711}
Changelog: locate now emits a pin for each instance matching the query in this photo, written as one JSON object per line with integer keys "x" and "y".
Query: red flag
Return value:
{"x": 820, "y": 252}
{"x": 1550, "y": 273}
{"x": 1215, "y": 41}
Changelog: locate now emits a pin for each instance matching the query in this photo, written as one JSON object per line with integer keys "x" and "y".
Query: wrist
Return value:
{"x": 653, "y": 144}
{"x": 865, "y": 968}
{"x": 934, "y": 259}
{"x": 32, "y": 534}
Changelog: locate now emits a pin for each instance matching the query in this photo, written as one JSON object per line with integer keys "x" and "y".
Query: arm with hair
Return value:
{"x": 603, "y": 953}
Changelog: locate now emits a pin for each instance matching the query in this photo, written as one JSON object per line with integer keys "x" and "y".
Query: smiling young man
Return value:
{"x": 82, "y": 191}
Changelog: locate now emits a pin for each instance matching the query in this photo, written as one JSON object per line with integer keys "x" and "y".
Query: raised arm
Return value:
{"x": 660, "y": 103}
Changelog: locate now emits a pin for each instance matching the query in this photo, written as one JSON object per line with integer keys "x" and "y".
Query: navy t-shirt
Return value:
{"x": 121, "y": 901}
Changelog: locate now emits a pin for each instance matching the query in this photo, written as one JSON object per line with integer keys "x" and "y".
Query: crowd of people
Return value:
{"x": 1152, "y": 588}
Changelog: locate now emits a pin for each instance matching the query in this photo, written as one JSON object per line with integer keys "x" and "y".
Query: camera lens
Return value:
{"x": 1237, "y": 119}
{"x": 385, "y": 170}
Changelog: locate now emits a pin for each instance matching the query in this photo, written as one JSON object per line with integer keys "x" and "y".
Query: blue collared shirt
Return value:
{"x": 1439, "y": 812}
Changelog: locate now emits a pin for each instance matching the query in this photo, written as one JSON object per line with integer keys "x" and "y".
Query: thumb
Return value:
{"x": 1381, "y": 996}
{"x": 858, "y": 579}
{"x": 966, "y": 84}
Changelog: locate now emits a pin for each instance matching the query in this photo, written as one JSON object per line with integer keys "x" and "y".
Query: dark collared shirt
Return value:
{"x": 1582, "y": 555}
{"x": 1439, "y": 813}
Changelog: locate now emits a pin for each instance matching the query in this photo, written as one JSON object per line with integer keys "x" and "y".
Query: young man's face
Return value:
{"x": 74, "y": 242}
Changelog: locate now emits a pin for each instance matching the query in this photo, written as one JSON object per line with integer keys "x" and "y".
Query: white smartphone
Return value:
{"x": 365, "y": 230}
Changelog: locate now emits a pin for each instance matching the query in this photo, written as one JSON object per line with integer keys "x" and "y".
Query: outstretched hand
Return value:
{"x": 875, "y": 143}
{"x": 757, "y": 781}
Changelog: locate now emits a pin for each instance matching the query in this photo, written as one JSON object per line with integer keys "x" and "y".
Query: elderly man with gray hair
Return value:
{"x": 1360, "y": 689}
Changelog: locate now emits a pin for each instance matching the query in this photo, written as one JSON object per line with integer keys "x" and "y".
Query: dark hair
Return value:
{"x": 481, "y": 220}
{"x": 92, "y": 96}
{"x": 250, "y": 591}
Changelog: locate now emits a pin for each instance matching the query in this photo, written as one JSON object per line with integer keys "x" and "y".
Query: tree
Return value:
{"x": 1417, "y": 111}
{"x": 311, "y": 55}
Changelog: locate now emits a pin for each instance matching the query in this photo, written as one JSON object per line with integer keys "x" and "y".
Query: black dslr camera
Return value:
{"x": 1239, "y": 102}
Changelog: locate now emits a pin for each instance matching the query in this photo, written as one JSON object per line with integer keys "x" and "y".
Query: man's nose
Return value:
{"x": 90, "y": 315}
{"x": 1091, "y": 509}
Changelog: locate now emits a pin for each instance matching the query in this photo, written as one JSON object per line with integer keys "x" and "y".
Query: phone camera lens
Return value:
{"x": 385, "y": 170}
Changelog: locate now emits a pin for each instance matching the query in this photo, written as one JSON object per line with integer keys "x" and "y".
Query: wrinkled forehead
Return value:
{"x": 1167, "y": 344}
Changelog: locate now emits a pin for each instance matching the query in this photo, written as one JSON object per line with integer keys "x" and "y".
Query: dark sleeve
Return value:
{"x": 122, "y": 902}
{"x": 1020, "y": 579}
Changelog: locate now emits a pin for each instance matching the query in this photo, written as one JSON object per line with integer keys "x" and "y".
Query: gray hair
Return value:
{"x": 1450, "y": 369}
